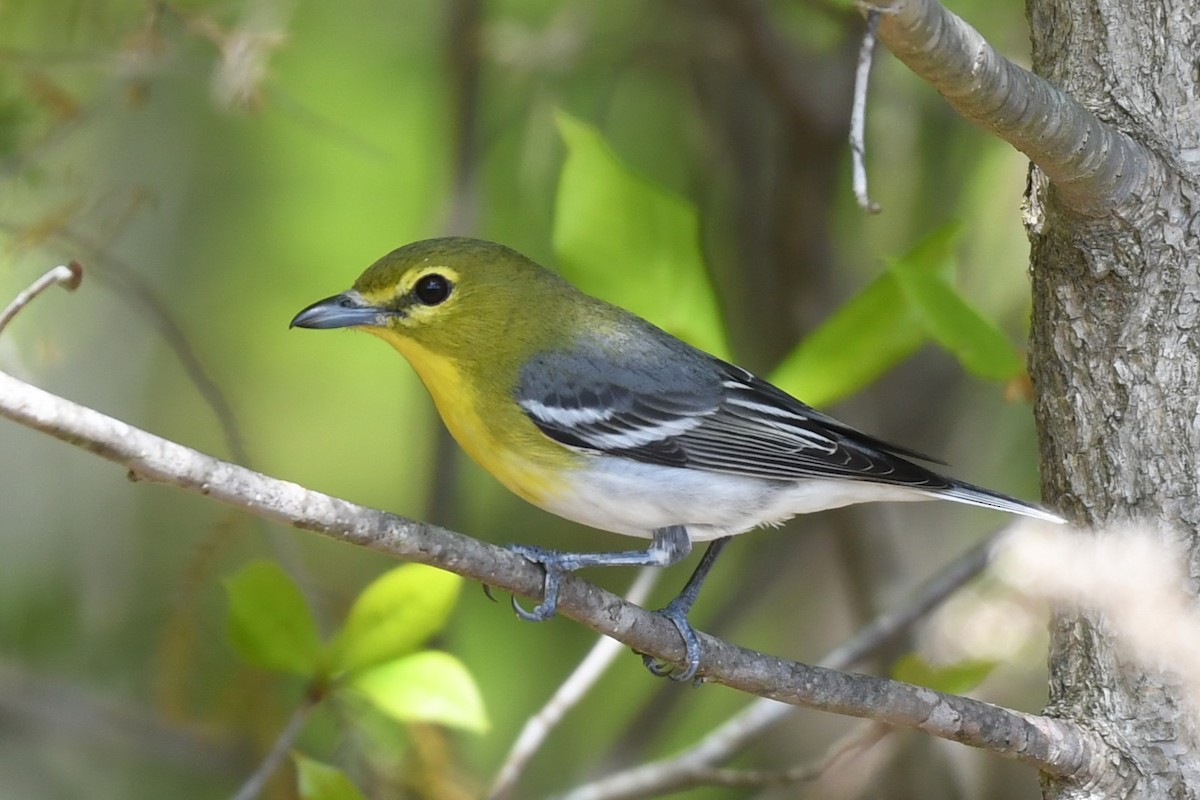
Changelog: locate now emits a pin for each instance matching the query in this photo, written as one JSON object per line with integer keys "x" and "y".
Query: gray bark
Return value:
{"x": 1116, "y": 361}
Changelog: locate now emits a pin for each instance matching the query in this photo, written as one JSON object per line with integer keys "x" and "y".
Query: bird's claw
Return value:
{"x": 539, "y": 613}
{"x": 556, "y": 564}
{"x": 659, "y": 669}
{"x": 691, "y": 647}
{"x": 549, "y": 562}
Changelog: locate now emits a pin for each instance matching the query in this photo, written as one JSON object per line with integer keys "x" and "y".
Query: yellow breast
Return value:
{"x": 497, "y": 435}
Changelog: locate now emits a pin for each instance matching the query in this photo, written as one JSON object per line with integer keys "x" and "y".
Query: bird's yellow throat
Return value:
{"x": 472, "y": 426}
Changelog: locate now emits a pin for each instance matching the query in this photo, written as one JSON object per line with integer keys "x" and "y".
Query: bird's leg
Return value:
{"x": 677, "y": 610}
{"x": 667, "y": 546}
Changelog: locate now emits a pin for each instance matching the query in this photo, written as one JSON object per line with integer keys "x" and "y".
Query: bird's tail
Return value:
{"x": 978, "y": 496}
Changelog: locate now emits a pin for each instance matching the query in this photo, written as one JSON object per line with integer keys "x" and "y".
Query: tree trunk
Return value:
{"x": 1115, "y": 355}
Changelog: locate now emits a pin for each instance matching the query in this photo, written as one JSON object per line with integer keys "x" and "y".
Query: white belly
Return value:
{"x": 633, "y": 498}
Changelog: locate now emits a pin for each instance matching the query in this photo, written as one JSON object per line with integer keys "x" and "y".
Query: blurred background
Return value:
{"x": 217, "y": 166}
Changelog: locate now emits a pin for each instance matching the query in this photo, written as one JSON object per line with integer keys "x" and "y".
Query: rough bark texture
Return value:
{"x": 1116, "y": 358}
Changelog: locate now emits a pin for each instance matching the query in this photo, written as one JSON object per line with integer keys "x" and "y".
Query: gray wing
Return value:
{"x": 702, "y": 413}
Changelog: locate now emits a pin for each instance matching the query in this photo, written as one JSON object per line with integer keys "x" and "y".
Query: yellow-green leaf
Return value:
{"x": 621, "y": 237}
{"x": 269, "y": 623}
{"x": 864, "y": 338}
{"x": 319, "y": 781}
{"x": 429, "y": 686}
{"x": 394, "y": 615}
{"x": 869, "y": 334}
{"x": 974, "y": 340}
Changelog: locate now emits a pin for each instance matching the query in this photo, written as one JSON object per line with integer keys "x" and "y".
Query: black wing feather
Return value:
{"x": 654, "y": 406}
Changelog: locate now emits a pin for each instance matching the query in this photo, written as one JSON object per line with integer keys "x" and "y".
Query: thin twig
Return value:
{"x": 68, "y": 276}
{"x": 568, "y": 695}
{"x": 253, "y": 786}
{"x": 858, "y": 116}
{"x": 887, "y": 626}
{"x": 862, "y": 737}
{"x": 732, "y": 736}
{"x": 132, "y": 285}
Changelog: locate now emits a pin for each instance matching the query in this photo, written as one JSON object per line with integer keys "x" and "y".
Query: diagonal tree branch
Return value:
{"x": 1055, "y": 746}
{"x": 1096, "y": 167}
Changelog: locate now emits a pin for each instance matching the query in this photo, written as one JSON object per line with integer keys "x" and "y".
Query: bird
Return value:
{"x": 598, "y": 416}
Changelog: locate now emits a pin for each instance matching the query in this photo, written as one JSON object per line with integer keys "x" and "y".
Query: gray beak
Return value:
{"x": 345, "y": 310}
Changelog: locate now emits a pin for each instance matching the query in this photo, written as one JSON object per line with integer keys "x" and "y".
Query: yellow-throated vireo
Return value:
{"x": 594, "y": 414}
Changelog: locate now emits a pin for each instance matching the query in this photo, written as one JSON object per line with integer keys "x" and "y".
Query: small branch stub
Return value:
{"x": 68, "y": 276}
{"x": 858, "y": 116}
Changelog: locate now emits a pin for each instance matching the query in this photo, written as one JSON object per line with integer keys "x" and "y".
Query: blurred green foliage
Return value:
{"x": 871, "y": 332}
{"x": 373, "y": 654}
{"x": 957, "y": 678}
{"x": 621, "y": 237}
{"x": 317, "y": 781}
{"x": 270, "y": 625}
{"x": 217, "y": 166}
{"x": 395, "y": 614}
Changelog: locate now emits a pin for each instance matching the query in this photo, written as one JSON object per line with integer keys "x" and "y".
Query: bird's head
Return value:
{"x": 454, "y": 297}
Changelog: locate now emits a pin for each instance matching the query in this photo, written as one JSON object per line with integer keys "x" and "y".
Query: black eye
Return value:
{"x": 432, "y": 289}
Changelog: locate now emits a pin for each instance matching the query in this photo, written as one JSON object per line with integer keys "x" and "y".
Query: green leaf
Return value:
{"x": 978, "y": 344}
{"x": 934, "y": 253}
{"x": 394, "y": 615}
{"x": 429, "y": 686}
{"x": 318, "y": 781}
{"x": 269, "y": 622}
{"x": 870, "y": 333}
{"x": 625, "y": 239}
{"x": 864, "y": 338}
{"x": 957, "y": 678}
